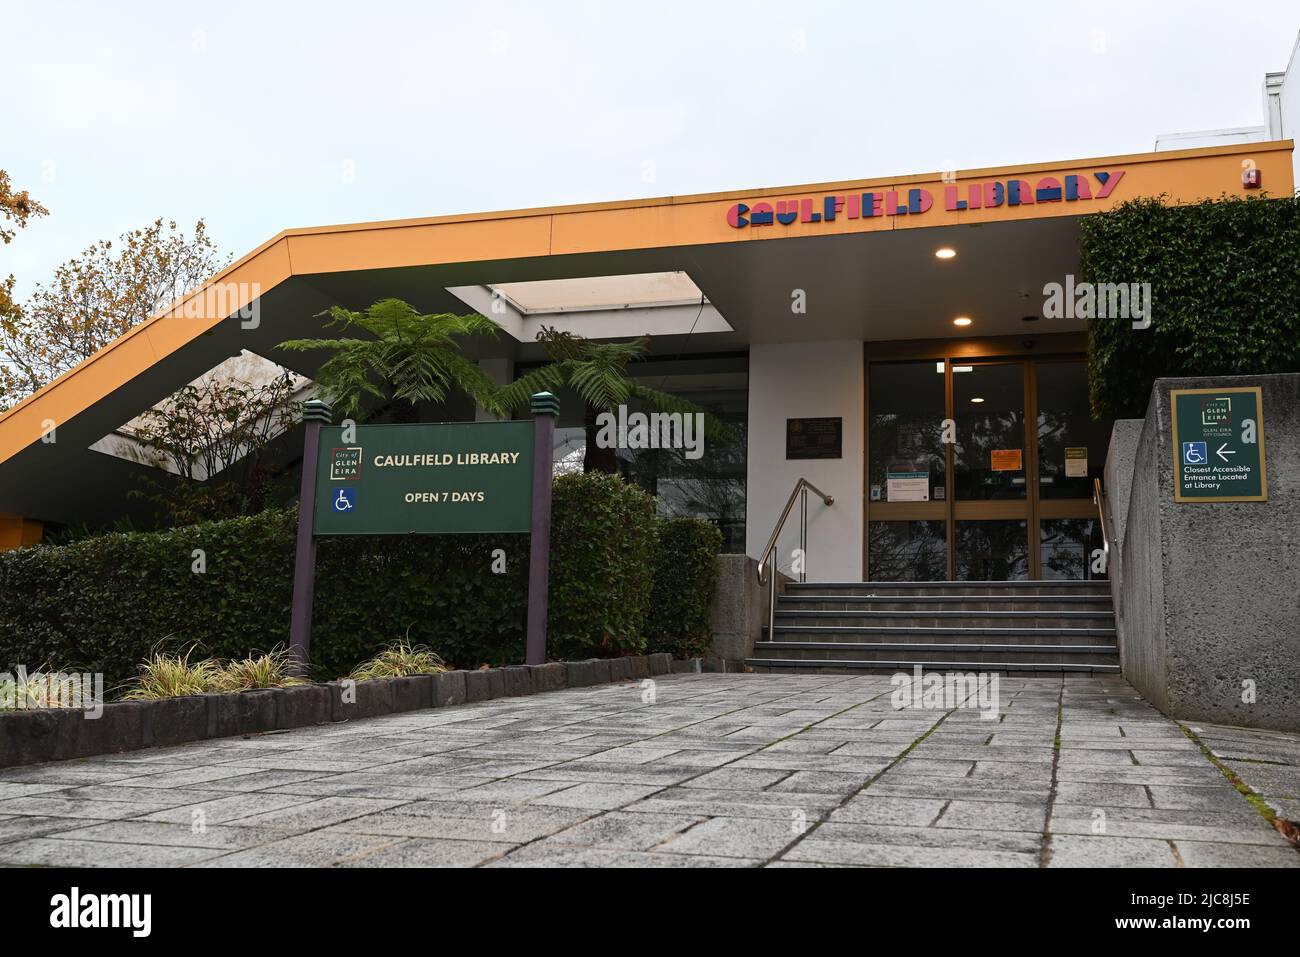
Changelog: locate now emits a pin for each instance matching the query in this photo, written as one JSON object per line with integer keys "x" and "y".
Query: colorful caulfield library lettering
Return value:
{"x": 918, "y": 201}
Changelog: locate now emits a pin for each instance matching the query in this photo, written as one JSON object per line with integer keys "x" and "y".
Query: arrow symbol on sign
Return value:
{"x": 1224, "y": 455}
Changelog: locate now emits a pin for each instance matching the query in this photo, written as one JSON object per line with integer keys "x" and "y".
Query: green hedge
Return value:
{"x": 603, "y": 533}
{"x": 1225, "y": 292}
{"x": 103, "y": 603}
{"x": 685, "y": 582}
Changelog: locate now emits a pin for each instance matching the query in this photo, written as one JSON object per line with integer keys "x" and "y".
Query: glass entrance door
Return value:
{"x": 981, "y": 470}
{"x": 991, "y": 497}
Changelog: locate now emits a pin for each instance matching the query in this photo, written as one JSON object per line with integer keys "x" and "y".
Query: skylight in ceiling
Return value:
{"x": 638, "y": 290}
{"x": 247, "y": 371}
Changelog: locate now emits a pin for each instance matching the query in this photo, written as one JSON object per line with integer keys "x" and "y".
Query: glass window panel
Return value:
{"x": 989, "y": 409}
{"x": 906, "y": 430}
{"x": 907, "y": 551}
{"x": 992, "y": 550}
{"x": 711, "y": 486}
{"x": 1065, "y": 422}
{"x": 1067, "y": 548}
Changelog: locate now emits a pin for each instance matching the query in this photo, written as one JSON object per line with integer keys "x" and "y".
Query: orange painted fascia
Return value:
{"x": 730, "y": 196}
{"x": 16, "y": 532}
{"x": 1187, "y": 175}
{"x": 136, "y": 350}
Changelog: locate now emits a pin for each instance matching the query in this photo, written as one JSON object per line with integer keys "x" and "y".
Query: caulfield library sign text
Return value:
{"x": 918, "y": 201}
{"x": 460, "y": 477}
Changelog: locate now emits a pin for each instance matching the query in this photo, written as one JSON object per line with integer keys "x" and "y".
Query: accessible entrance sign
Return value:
{"x": 463, "y": 477}
{"x": 1218, "y": 439}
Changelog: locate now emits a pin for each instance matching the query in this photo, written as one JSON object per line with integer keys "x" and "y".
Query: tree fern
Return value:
{"x": 416, "y": 357}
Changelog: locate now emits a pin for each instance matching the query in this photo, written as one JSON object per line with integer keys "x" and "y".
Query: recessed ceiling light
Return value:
{"x": 945, "y": 252}
{"x": 977, "y": 400}
{"x": 962, "y": 321}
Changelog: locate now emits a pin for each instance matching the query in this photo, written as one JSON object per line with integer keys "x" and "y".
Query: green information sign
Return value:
{"x": 1219, "y": 445}
{"x": 432, "y": 479}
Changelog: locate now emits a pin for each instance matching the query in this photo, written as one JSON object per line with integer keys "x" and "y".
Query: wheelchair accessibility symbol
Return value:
{"x": 1194, "y": 453}
{"x": 345, "y": 500}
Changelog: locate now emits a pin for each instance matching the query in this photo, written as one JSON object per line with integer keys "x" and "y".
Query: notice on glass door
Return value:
{"x": 1076, "y": 463}
{"x": 1007, "y": 460}
{"x": 907, "y": 486}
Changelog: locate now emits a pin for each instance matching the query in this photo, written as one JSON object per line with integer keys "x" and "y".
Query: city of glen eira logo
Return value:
{"x": 345, "y": 464}
{"x": 918, "y": 201}
{"x": 1216, "y": 412}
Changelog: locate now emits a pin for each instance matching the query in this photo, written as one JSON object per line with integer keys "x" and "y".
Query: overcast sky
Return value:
{"x": 267, "y": 115}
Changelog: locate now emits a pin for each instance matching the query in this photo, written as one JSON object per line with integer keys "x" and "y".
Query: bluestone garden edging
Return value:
{"x": 58, "y": 734}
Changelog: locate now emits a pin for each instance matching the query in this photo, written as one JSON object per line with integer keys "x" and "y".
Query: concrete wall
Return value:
{"x": 1209, "y": 593}
{"x": 739, "y": 610}
{"x": 1140, "y": 604}
{"x": 807, "y": 380}
{"x": 1117, "y": 483}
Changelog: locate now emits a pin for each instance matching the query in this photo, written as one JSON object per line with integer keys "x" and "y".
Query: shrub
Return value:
{"x": 685, "y": 582}
{"x": 437, "y": 590}
{"x": 107, "y": 603}
{"x": 1225, "y": 294}
{"x": 603, "y": 533}
{"x": 104, "y": 604}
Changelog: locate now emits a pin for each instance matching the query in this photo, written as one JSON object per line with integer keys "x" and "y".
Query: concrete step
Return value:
{"x": 1008, "y": 636}
{"x": 1010, "y": 668}
{"x": 895, "y": 589}
{"x": 983, "y": 654}
{"x": 882, "y": 627}
{"x": 931, "y": 618}
{"x": 990, "y": 602}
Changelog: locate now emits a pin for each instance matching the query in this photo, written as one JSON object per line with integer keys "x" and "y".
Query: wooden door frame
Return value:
{"x": 1029, "y": 353}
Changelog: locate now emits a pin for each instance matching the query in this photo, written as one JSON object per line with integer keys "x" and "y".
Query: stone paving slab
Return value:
{"x": 732, "y": 770}
{"x": 1267, "y": 761}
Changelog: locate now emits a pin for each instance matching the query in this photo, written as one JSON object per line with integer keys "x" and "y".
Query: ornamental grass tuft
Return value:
{"x": 42, "y": 688}
{"x": 174, "y": 676}
{"x": 400, "y": 660}
{"x": 171, "y": 676}
{"x": 269, "y": 670}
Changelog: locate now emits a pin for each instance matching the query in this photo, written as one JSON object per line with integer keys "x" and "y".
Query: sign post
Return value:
{"x": 431, "y": 479}
{"x": 315, "y": 414}
{"x": 545, "y": 408}
{"x": 1218, "y": 450}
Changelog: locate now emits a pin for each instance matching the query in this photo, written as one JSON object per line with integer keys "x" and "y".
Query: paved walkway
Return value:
{"x": 722, "y": 770}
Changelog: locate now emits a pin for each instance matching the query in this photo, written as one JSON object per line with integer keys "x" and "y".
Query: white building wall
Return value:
{"x": 796, "y": 381}
{"x": 1282, "y": 104}
{"x": 1281, "y": 119}
{"x": 1203, "y": 138}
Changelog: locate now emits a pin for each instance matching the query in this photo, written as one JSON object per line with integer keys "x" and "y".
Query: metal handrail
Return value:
{"x": 800, "y": 493}
{"x": 1098, "y": 499}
